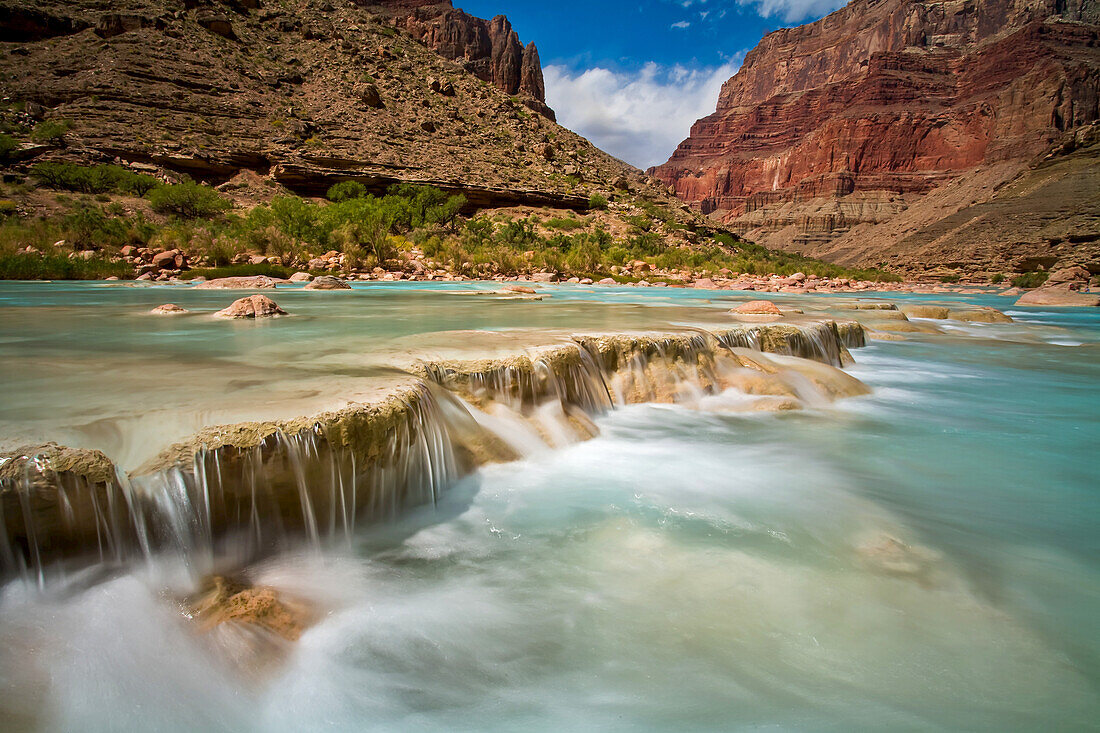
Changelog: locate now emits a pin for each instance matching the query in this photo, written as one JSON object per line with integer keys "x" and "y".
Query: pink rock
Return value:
{"x": 254, "y": 306}
{"x": 168, "y": 309}
{"x": 758, "y": 308}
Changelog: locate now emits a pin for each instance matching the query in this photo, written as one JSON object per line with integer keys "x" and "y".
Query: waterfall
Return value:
{"x": 245, "y": 491}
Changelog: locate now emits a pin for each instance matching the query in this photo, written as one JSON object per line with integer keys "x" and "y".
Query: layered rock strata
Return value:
{"x": 835, "y": 130}
{"x": 304, "y": 94}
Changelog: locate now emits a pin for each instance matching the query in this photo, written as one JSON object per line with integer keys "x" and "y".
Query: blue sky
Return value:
{"x": 633, "y": 76}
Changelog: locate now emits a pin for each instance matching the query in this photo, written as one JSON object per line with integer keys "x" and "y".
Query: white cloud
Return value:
{"x": 793, "y": 11}
{"x": 639, "y": 117}
{"x": 680, "y": 24}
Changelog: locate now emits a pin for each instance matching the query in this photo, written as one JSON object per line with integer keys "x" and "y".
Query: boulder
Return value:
{"x": 301, "y": 277}
{"x": 327, "y": 282}
{"x": 1058, "y": 296}
{"x": 170, "y": 260}
{"x": 608, "y": 281}
{"x": 544, "y": 277}
{"x": 938, "y": 312}
{"x": 758, "y": 308}
{"x": 706, "y": 284}
{"x": 254, "y": 306}
{"x": 1068, "y": 275}
{"x": 979, "y": 315}
{"x": 238, "y": 283}
{"x": 370, "y": 97}
{"x": 168, "y": 309}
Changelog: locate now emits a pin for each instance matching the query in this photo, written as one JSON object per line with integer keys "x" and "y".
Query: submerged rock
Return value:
{"x": 328, "y": 282}
{"x": 226, "y": 600}
{"x": 239, "y": 283}
{"x": 254, "y": 306}
{"x": 518, "y": 289}
{"x": 980, "y": 315}
{"x": 168, "y": 309}
{"x": 938, "y": 312}
{"x": 758, "y": 308}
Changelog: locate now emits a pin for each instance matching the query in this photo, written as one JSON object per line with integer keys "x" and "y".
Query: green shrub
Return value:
{"x": 188, "y": 200}
{"x": 55, "y": 266}
{"x": 597, "y": 201}
{"x": 997, "y": 277}
{"x": 565, "y": 224}
{"x": 1030, "y": 279}
{"x": 346, "y": 190}
{"x": 949, "y": 278}
{"x": 93, "y": 179}
{"x": 51, "y": 132}
{"x": 8, "y": 146}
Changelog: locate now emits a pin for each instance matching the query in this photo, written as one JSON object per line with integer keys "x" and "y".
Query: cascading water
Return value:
{"x": 278, "y": 486}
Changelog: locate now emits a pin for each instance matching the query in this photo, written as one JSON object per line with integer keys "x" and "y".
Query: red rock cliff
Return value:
{"x": 895, "y": 96}
{"x": 491, "y": 49}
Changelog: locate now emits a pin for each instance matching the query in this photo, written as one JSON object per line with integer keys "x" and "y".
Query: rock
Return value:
{"x": 938, "y": 312}
{"x": 585, "y": 281}
{"x": 489, "y": 48}
{"x": 1068, "y": 275}
{"x": 217, "y": 24}
{"x": 866, "y": 306}
{"x": 979, "y": 315}
{"x": 370, "y": 97}
{"x": 608, "y": 281}
{"x": 327, "y": 282}
{"x": 518, "y": 289}
{"x": 427, "y": 126}
{"x": 253, "y": 306}
{"x": 225, "y": 600}
{"x": 843, "y": 139}
{"x": 759, "y": 308}
{"x": 145, "y": 276}
{"x": 170, "y": 260}
{"x": 257, "y": 260}
{"x": 705, "y": 284}
{"x": 544, "y": 277}
{"x": 1058, "y": 296}
{"x": 168, "y": 309}
{"x": 238, "y": 283}
{"x": 301, "y": 277}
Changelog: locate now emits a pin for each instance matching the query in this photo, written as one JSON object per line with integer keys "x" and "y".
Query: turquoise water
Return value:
{"x": 922, "y": 558}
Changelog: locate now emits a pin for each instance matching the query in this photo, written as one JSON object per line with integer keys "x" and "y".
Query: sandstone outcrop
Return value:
{"x": 831, "y": 136}
{"x": 302, "y": 95}
{"x": 1058, "y": 296}
{"x": 489, "y": 49}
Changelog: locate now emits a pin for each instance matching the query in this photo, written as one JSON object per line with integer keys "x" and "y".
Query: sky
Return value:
{"x": 632, "y": 76}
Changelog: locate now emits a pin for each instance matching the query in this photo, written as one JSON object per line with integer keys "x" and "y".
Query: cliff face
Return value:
{"x": 490, "y": 49}
{"x": 306, "y": 92}
{"x": 850, "y": 120}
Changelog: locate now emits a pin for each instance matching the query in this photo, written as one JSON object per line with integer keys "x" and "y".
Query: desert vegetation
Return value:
{"x": 102, "y": 219}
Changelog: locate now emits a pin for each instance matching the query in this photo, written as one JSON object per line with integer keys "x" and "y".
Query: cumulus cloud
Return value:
{"x": 641, "y": 116}
{"x": 794, "y": 11}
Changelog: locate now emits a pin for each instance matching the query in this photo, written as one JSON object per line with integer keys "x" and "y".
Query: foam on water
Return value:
{"x": 923, "y": 557}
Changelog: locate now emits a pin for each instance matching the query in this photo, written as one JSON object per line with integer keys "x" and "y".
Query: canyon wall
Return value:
{"x": 832, "y": 129}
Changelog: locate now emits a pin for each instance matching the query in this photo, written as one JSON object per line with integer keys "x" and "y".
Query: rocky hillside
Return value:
{"x": 304, "y": 92}
{"x": 912, "y": 133}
